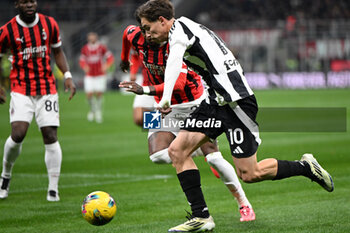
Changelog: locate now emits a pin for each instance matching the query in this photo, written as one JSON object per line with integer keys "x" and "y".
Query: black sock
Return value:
{"x": 287, "y": 169}
{"x": 190, "y": 181}
{"x": 5, "y": 183}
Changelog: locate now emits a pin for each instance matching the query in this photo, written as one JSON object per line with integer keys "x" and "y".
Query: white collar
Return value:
{"x": 24, "y": 24}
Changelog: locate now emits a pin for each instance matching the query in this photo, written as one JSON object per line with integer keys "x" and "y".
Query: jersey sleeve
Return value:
{"x": 135, "y": 63}
{"x": 127, "y": 42}
{"x": 180, "y": 34}
{"x": 3, "y": 41}
{"x": 82, "y": 58}
{"x": 108, "y": 55}
{"x": 55, "y": 36}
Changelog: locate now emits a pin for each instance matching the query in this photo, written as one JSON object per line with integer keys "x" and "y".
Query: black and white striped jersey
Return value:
{"x": 208, "y": 55}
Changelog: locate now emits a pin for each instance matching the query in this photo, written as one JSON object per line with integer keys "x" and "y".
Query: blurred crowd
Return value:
{"x": 247, "y": 10}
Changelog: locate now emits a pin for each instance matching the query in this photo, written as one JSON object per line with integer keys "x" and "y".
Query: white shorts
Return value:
{"x": 45, "y": 109}
{"x": 95, "y": 84}
{"x": 144, "y": 101}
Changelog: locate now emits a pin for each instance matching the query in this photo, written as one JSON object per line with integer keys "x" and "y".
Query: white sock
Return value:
{"x": 228, "y": 176}
{"x": 12, "y": 150}
{"x": 161, "y": 157}
{"x": 98, "y": 104}
{"x": 92, "y": 104}
{"x": 197, "y": 152}
{"x": 53, "y": 160}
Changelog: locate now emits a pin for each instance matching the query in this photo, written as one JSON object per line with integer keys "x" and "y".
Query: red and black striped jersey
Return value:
{"x": 30, "y": 45}
{"x": 188, "y": 87}
{"x": 94, "y": 56}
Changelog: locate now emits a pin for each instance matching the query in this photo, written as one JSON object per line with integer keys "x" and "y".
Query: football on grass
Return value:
{"x": 98, "y": 208}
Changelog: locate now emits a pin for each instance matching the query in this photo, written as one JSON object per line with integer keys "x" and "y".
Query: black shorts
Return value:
{"x": 236, "y": 119}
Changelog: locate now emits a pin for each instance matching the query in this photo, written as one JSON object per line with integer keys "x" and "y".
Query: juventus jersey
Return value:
{"x": 208, "y": 55}
{"x": 30, "y": 46}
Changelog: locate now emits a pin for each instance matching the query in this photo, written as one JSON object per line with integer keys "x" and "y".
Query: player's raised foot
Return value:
{"x": 90, "y": 116}
{"x": 52, "y": 196}
{"x": 4, "y": 188}
{"x": 195, "y": 224}
{"x": 247, "y": 214}
{"x": 317, "y": 173}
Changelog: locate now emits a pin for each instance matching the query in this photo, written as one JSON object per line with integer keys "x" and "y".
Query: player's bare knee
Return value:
{"x": 49, "y": 135}
{"x": 17, "y": 136}
{"x": 138, "y": 121}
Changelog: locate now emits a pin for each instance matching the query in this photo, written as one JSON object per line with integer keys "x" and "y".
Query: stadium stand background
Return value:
{"x": 289, "y": 43}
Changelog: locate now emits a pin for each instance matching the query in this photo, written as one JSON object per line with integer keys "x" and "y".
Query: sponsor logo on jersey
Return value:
{"x": 38, "y": 51}
{"x": 20, "y": 39}
{"x": 154, "y": 69}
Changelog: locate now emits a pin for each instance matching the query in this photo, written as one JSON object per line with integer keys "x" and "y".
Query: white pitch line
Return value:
{"x": 127, "y": 179}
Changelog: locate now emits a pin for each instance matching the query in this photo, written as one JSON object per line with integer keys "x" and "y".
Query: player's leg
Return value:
{"x": 53, "y": 160}
{"x": 158, "y": 143}
{"x": 100, "y": 88}
{"x": 47, "y": 118}
{"x": 98, "y": 107}
{"x": 137, "y": 115}
{"x": 21, "y": 115}
{"x": 252, "y": 171}
{"x": 180, "y": 151}
{"x": 88, "y": 88}
{"x": 141, "y": 104}
{"x": 91, "y": 101}
{"x": 243, "y": 137}
{"x": 230, "y": 179}
{"x": 12, "y": 149}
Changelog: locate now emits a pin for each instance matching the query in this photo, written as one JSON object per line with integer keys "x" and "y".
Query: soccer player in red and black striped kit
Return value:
{"x": 95, "y": 60}
{"x": 30, "y": 36}
{"x": 189, "y": 92}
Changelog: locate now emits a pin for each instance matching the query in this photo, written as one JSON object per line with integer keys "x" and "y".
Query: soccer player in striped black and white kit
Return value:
{"x": 231, "y": 102}
{"x": 188, "y": 95}
{"x": 30, "y": 36}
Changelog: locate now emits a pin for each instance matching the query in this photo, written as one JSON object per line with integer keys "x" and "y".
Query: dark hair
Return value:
{"x": 153, "y": 9}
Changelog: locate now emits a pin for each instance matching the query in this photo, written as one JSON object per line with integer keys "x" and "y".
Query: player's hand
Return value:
{"x": 2, "y": 95}
{"x": 69, "y": 85}
{"x": 124, "y": 66}
{"x": 132, "y": 86}
{"x": 105, "y": 68}
{"x": 164, "y": 107}
{"x": 86, "y": 69}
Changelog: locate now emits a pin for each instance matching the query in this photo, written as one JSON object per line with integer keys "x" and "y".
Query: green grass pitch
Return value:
{"x": 113, "y": 157}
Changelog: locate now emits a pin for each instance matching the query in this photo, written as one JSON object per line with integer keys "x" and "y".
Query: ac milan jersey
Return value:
{"x": 30, "y": 45}
{"x": 189, "y": 85}
{"x": 94, "y": 56}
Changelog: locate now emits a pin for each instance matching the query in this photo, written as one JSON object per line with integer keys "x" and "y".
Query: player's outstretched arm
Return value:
{"x": 62, "y": 64}
{"x": 172, "y": 72}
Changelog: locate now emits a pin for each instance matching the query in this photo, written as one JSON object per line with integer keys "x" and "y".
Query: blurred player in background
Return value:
{"x": 95, "y": 60}
{"x": 141, "y": 103}
{"x": 31, "y": 37}
{"x": 230, "y": 100}
{"x": 189, "y": 92}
